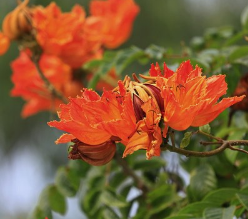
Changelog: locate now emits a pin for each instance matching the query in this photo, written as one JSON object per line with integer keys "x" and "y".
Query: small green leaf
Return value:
{"x": 243, "y": 198}
{"x": 244, "y": 18}
{"x": 202, "y": 181}
{"x": 112, "y": 199}
{"x": 196, "y": 209}
{"x": 89, "y": 197}
{"x": 56, "y": 200}
{"x": 126, "y": 57}
{"x": 41, "y": 213}
{"x": 220, "y": 196}
{"x": 238, "y": 53}
{"x": 108, "y": 213}
{"x": 51, "y": 198}
{"x": 183, "y": 216}
{"x": 219, "y": 213}
{"x": 155, "y": 52}
{"x": 205, "y": 128}
{"x": 67, "y": 181}
{"x": 186, "y": 139}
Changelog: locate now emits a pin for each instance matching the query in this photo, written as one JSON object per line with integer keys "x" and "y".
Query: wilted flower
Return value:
{"x": 242, "y": 89}
{"x": 139, "y": 114}
{"x": 29, "y": 85}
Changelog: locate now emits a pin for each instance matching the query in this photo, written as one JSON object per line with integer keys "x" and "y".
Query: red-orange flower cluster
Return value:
{"x": 134, "y": 113}
{"x": 116, "y": 17}
{"x": 73, "y": 37}
{"x": 68, "y": 39}
{"x": 29, "y": 85}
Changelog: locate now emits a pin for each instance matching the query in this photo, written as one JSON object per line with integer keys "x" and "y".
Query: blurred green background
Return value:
{"x": 28, "y": 155}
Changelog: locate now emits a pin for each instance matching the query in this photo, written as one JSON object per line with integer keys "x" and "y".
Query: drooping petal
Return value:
{"x": 208, "y": 115}
{"x": 65, "y": 138}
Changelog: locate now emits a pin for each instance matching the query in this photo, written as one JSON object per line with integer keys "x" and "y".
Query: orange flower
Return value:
{"x": 117, "y": 17}
{"x": 133, "y": 112}
{"x": 190, "y": 99}
{"x": 4, "y": 43}
{"x": 148, "y": 133}
{"x": 29, "y": 85}
{"x": 95, "y": 123}
{"x": 71, "y": 36}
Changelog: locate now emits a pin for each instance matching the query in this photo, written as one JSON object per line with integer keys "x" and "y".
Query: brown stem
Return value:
{"x": 208, "y": 135}
{"x": 224, "y": 145}
{"x": 238, "y": 149}
{"x": 49, "y": 86}
{"x": 129, "y": 172}
{"x": 188, "y": 153}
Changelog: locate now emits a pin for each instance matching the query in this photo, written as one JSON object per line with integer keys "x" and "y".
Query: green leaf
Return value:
{"x": 196, "y": 209}
{"x": 51, "y": 198}
{"x": 202, "y": 181}
{"x": 238, "y": 53}
{"x": 117, "y": 178}
{"x": 67, "y": 181}
{"x": 56, "y": 200}
{"x": 155, "y": 52}
{"x": 109, "y": 213}
{"x": 220, "y": 196}
{"x": 219, "y": 213}
{"x": 186, "y": 139}
{"x": 110, "y": 198}
{"x": 152, "y": 164}
{"x": 80, "y": 167}
{"x": 127, "y": 56}
{"x": 41, "y": 213}
{"x": 89, "y": 197}
{"x": 243, "y": 198}
{"x": 244, "y": 18}
{"x": 183, "y": 216}
{"x": 205, "y": 128}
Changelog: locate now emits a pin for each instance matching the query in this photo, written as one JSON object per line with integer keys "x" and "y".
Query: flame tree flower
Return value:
{"x": 29, "y": 85}
{"x": 66, "y": 35}
{"x": 190, "y": 99}
{"x": 134, "y": 113}
{"x": 116, "y": 17}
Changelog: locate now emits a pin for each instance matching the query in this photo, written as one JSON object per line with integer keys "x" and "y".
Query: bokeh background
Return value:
{"x": 28, "y": 156}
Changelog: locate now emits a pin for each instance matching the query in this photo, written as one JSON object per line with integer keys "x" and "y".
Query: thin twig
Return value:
{"x": 49, "y": 86}
{"x": 189, "y": 153}
{"x": 208, "y": 135}
{"x": 238, "y": 149}
{"x": 129, "y": 172}
{"x": 224, "y": 145}
{"x": 205, "y": 143}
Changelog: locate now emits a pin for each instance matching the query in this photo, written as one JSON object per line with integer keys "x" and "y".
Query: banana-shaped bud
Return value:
{"x": 96, "y": 155}
{"x": 16, "y": 23}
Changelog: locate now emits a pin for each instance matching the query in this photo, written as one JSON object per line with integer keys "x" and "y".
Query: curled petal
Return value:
{"x": 211, "y": 113}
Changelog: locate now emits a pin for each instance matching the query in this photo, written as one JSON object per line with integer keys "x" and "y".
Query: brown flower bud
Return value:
{"x": 156, "y": 93}
{"x": 16, "y": 23}
{"x": 137, "y": 103}
{"x": 96, "y": 155}
{"x": 242, "y": 89}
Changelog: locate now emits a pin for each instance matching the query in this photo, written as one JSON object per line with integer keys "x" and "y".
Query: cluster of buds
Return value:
{"x": 138, "y": 114}
{"x": 69, "y": 39}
